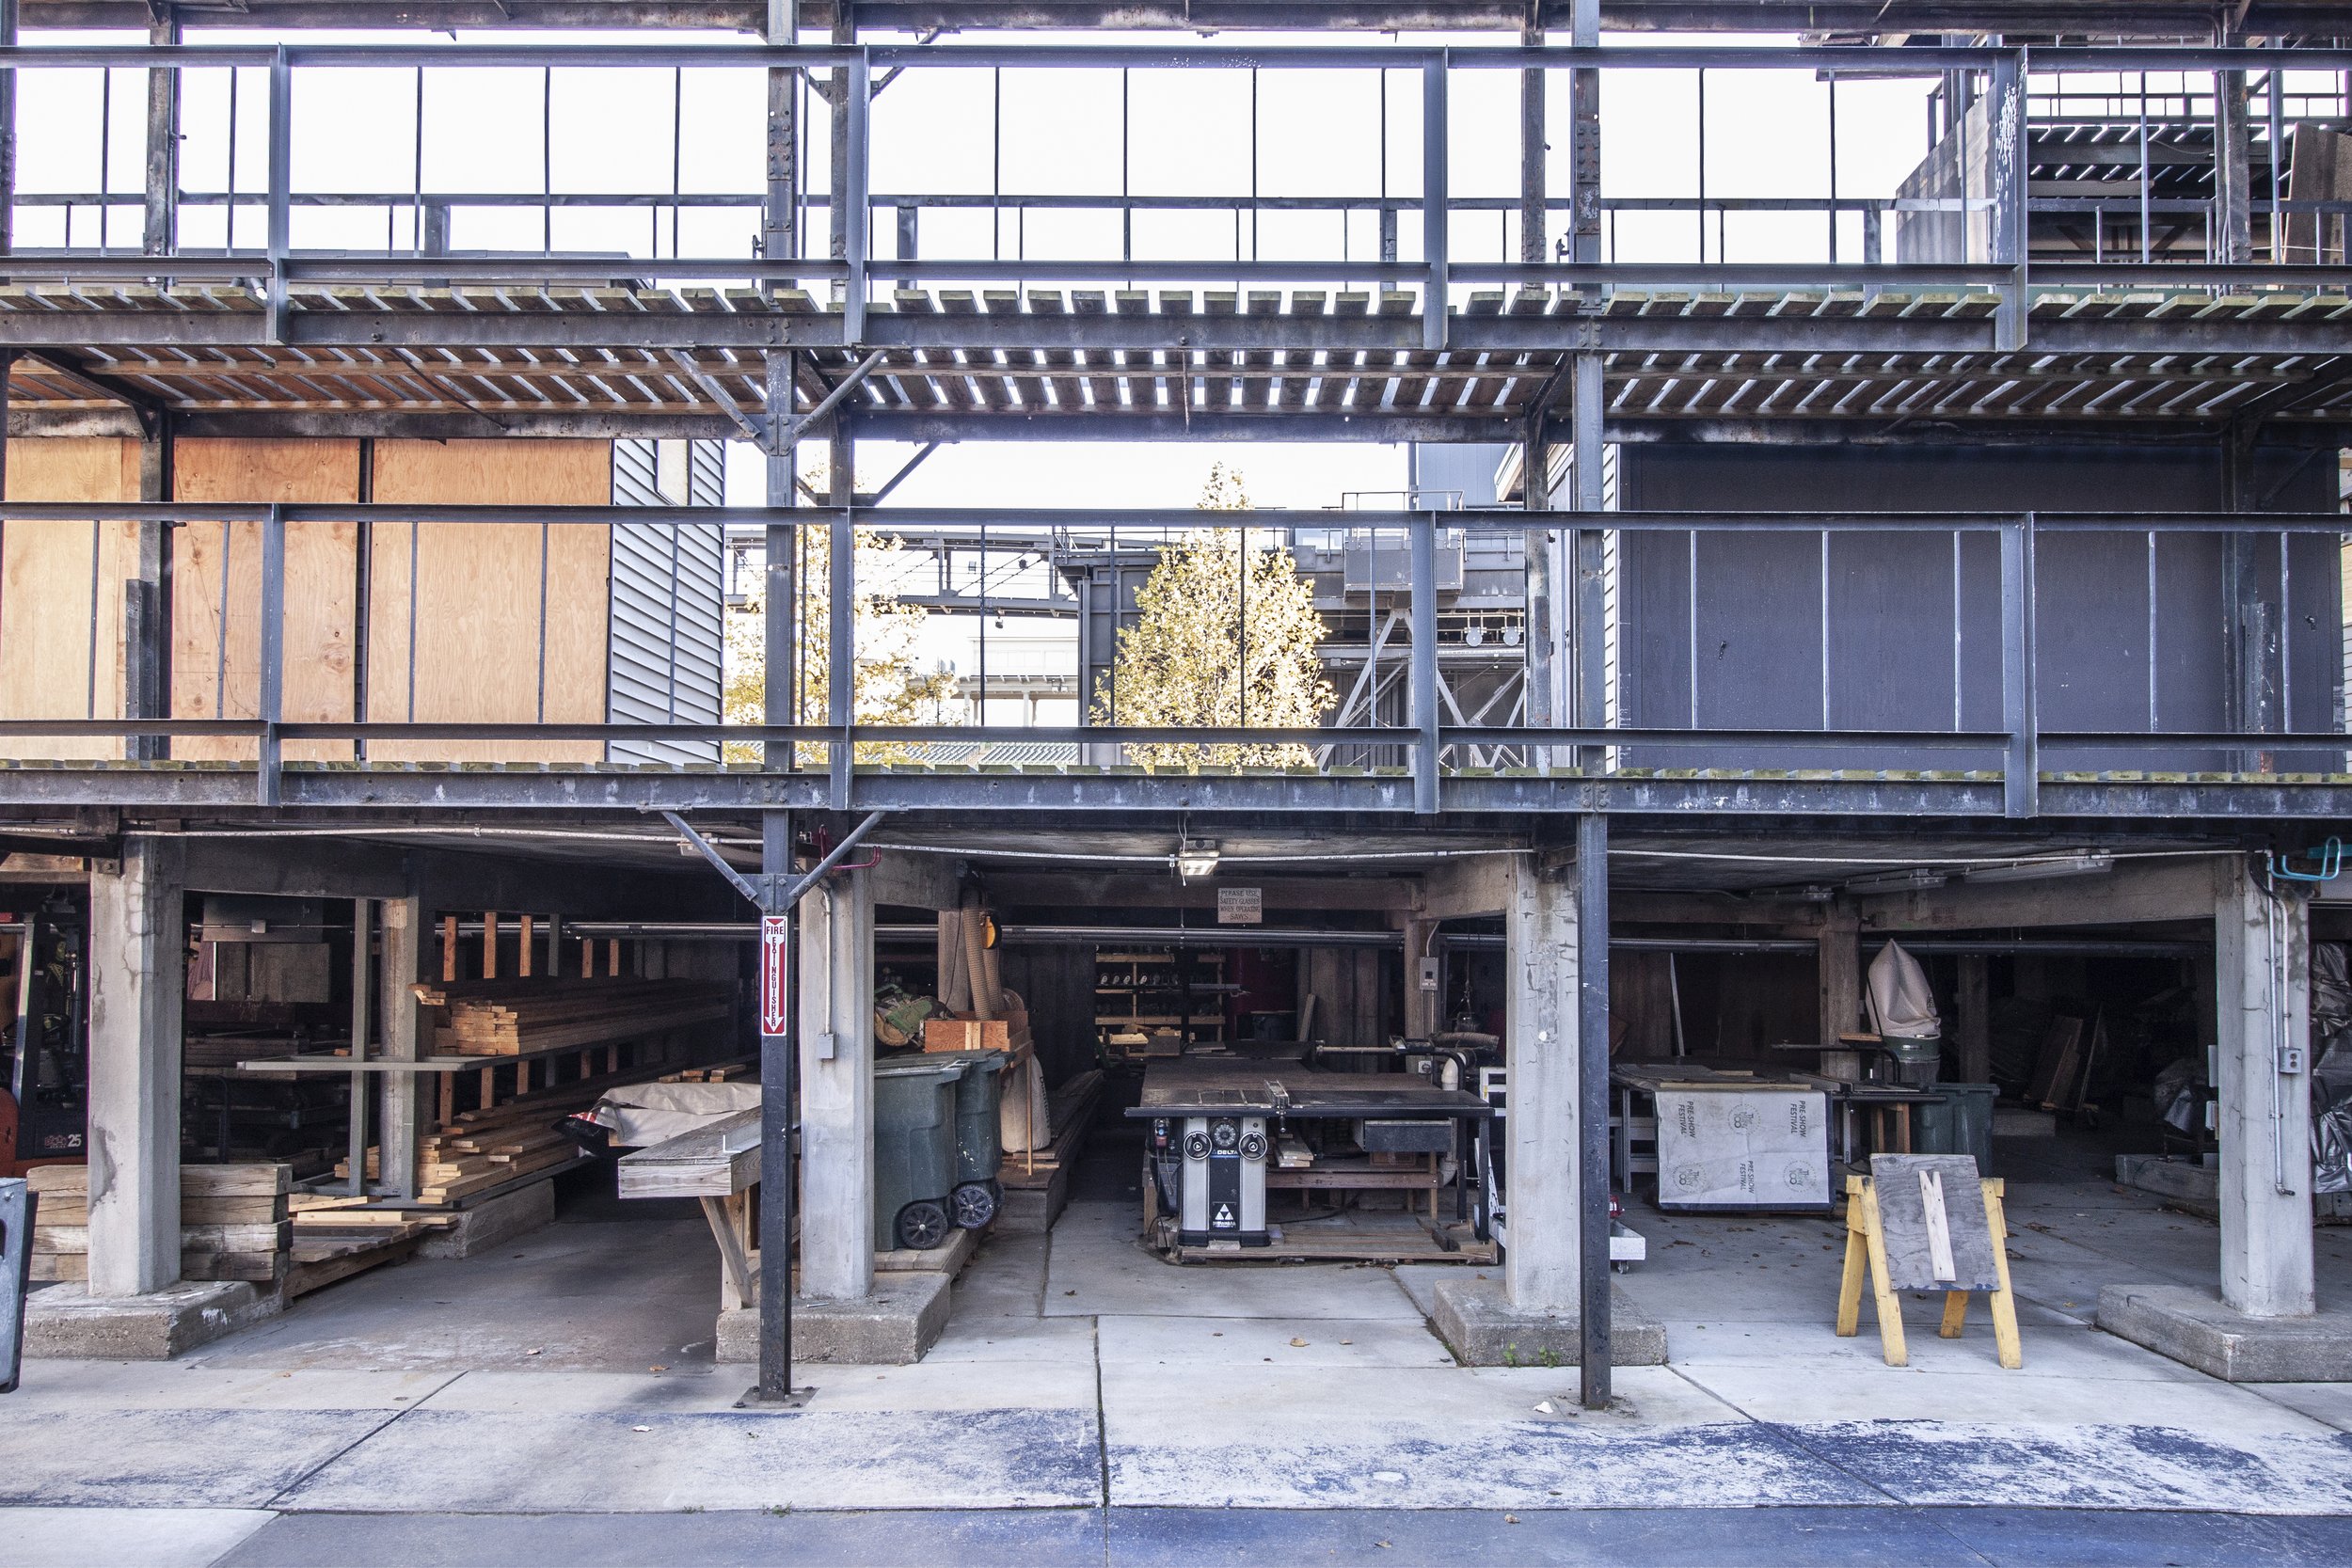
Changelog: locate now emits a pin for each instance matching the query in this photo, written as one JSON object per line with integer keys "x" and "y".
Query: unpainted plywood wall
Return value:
{"x": 61, "y": 594}
{"x": 464, "y": 623}
{"x": 217, "y": 593}
{"x": 489, "y": 623}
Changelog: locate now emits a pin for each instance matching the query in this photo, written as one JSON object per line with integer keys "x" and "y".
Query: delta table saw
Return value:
{"x": 1223, "y": 1132}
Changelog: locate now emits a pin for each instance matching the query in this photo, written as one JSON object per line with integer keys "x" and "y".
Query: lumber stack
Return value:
{"x": 476, "y": 1150}
{"x": 232, "y": 1221}
{"x": 1071, "y": 1109}
{"x": 528, "y": 1018}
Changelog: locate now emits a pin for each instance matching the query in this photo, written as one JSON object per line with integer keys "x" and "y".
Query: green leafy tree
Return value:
{"x": 1227, "y": 637}
{"x": 889, "y": 684}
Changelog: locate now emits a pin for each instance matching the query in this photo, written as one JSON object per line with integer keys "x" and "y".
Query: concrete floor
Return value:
{"x": 556, "y": 1401}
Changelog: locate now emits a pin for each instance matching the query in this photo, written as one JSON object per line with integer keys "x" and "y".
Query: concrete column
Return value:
{"x": 136, "y": 981}
{"x": 2263, "y": 965}
{"x": 1424, "y": 1008}
{"x": 1541, "y": 1161}
{"x": 404, "y": 957}
{"x": 1840, "y": 971}
{"x": 837, "y": 1089}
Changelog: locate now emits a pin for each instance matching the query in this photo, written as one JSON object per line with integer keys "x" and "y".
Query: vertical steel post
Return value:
{"x": 1592, "y": 1105}
{"x": 2006, "y": 228}
{"x": 1584, "y": 214}
{"x": 840, "y": 621}
{"x": 2021, "y": 763}
{"x": 7, "y": 131}
{"x": 778, "y": 240}
{"x": 1533, "y": 220}
{"x": 1432, "y": 201}
{"x": 160, "y": 230}
{"x": 355, "y": 1141}
{"x": 2232, "y": 239}
{"x": 273, "y": 672}
{"x": 779, "y": 1070}
{"x": 281, "y": 188}
{"x": 1589, "y": 704}
{"x": 1423, "y": 673}
{"x": 849, "y": 196}
{"x": 1541, "y": 652}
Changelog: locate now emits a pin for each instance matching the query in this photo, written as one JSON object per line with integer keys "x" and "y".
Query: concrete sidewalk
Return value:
{"x": 1091, "y": 1402}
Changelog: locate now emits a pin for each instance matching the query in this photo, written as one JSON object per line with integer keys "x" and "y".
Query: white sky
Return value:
{"x": 935, "y": 130}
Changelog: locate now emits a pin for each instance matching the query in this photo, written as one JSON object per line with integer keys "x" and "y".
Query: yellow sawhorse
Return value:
{"x": 1866, "y": 1250}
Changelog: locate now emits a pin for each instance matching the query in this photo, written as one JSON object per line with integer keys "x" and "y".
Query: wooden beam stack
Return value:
{"x": 499, "y": 1018}
{"x": 232, "y": 1221}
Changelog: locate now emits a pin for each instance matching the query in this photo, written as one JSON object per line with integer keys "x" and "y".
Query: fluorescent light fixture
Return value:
{"x": 1897, "y": 882}
{"x": 1195, "y": 859}
{"x": 2088, "y": 863}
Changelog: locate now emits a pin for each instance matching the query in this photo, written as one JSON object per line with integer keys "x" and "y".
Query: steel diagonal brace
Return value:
{"x": 794, "y": 889}
{"x": 749, "y": 423}
{"x": 789, "y": 436}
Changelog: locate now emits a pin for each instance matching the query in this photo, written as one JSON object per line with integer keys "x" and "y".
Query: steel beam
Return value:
{"x": 1592, "y": 1108}
{"x": 2323, "y": 329}
{"x": 2154, "y": 20}
{"x": 49, "y": 787}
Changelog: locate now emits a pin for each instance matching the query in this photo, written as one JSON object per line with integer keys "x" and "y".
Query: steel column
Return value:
{"x": 840, "y": 618}
{"x": 2021, "y": 763}
{"x": 1589, "y": 702}
{"x": 269, "y": 707}
{"x": 1423, "y": 672}
{"x": 355, "y": 1139}
{"x": 159, "y": 231}
{"x": 2004, "y": 158}
{"x": 7, "y": 131}
{"x": 1533, "y": 245}
{"x": 280, "y": 234}
{"x": 1592, "y": 1105}
{"x": 2231, "y": 240}
{"x": 779, "y": 1075}
{"x": 1585, "y": 213}
{"x": 1434, "y": 314}
{"x": 852, "y": 215}
{"x": 779, "y": 588}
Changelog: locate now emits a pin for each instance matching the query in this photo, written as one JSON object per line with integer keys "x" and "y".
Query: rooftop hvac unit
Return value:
{"x": 1382, "y": 563}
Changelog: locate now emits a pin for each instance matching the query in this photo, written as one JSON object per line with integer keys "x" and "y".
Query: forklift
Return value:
{"x": 45, "y": 1035}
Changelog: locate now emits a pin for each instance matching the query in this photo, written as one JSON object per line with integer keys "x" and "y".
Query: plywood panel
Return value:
{"x": 61, "y": 587}
{"x": 500, "y": 622}
{"x": 217, "y": 593}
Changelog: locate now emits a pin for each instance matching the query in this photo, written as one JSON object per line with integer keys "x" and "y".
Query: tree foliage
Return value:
{"x": 889, "y": 685}
{"x": 1227, "y": 637}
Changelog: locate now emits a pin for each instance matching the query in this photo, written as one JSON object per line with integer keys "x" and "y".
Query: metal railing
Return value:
{"x": 1587, "y": 749}
{"x": 852, "y": 267}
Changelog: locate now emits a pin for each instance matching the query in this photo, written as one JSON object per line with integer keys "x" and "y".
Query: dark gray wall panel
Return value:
{"x": 1886, "y": 602}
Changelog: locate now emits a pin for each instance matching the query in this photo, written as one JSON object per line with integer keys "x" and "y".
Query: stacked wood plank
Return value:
{"x": 501, "y": 1018}
{"x": 232, "y": 1221}
{"x": 476, "y": 1150}
{"x": 1071, "y": 1108}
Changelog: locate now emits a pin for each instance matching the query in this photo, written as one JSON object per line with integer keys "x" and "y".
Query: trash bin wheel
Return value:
{"x": 975, "y": 1204}
{"x": 922, "y": 1225}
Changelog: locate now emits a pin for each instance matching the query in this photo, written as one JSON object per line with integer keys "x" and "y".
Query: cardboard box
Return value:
{"x": 967, "y": 1033}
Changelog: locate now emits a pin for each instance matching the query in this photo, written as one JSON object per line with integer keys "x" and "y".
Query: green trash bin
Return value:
{"x": 914, "y": 1152}
{"x": 1963, "y": 1124}
{"x": 980, "y": 1143}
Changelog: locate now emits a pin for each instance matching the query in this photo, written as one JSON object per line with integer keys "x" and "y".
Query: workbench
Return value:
{"x": 1281, "y": 1091}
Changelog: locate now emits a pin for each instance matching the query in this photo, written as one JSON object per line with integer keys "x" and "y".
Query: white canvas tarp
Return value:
{"x": 1901, "y": 1005}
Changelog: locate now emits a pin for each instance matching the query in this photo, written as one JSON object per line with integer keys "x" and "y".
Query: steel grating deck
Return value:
{"x": 1035, "y": 357}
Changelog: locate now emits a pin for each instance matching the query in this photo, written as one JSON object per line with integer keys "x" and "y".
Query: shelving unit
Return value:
{"x": 1142, "y": 995}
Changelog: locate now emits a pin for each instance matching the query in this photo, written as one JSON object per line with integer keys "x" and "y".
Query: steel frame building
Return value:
{"x": 820, "y": 338}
